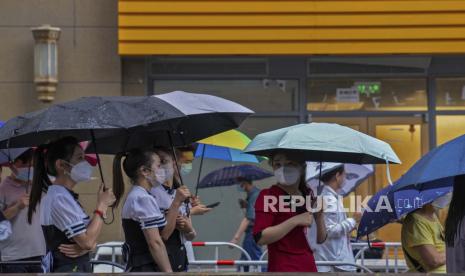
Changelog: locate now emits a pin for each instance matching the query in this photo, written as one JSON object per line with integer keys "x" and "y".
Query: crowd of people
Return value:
{"x": 48, "y": 223}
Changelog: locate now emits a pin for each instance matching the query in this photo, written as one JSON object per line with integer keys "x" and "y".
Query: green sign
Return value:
{"x": 368, "y": 88}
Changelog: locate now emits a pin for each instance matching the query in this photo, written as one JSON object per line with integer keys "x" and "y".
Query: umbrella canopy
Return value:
{"x": 324, "y": 142}
{"x": 229, "y": 175}
{"x": 233, "y": 139}
{"x": 223, "y": 153}
{"x": 401, "y": 203}
{"x": 126, "y": 122}
{"x": 7, "y": 155}
{"x": 355, "y": 175}
{"x": 443, "y": 162}
{"x": 203, "y": 116}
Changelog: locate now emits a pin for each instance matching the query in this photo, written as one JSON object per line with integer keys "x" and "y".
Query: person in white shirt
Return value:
{"x": 144, "y": 225}
{"x": 337, "y": 245}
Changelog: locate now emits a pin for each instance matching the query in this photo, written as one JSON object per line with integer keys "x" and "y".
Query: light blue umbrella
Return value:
{"x": 324, "y": 142}
{"x": 441, "y": 163}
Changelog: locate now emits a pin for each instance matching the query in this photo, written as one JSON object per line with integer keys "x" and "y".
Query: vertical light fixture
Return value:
{"x": 45, "y": 61}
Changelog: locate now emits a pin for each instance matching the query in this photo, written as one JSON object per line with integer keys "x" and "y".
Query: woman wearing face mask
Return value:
{"x": 143, "y": 223}
{"x": 455, "y": 229}
{"x": 69, "y": 233}
{"x": 284, "y": 231}
{"x": 337, "y": 245}
{"x": 165, "y": 194}
{"x": 423, "y": 238}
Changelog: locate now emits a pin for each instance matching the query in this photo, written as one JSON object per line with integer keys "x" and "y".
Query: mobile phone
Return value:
{"x": 213, "y": 205}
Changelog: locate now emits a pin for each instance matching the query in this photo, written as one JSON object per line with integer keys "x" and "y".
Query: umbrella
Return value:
{"x": 443, "y": 162}
{"x": 120, "y": 123}
{"x": 397, "y": 204}
{"x": 233, "y": 139}
{"x": 227, "y": 146}
{"x": 355, "y": 174}
{"x": 229, "y": 175}
{"x": 224, "y": 153}
{"x": 8, "y": 155}
{"x": 324, "y": 142}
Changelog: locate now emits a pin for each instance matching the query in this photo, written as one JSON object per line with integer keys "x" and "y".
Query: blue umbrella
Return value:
{"x": 224, "y": 153}
{"x": 443, "y": 162}
{"x": 393, "y": 205}
{"x": 229, "y": 176}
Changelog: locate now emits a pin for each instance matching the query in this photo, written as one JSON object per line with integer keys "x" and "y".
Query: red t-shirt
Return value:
{"x": 291, "y": 253}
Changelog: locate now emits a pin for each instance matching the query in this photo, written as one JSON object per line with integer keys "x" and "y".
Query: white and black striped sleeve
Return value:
{"x": 67, "y": 216}
{"x": 147, "y": 213}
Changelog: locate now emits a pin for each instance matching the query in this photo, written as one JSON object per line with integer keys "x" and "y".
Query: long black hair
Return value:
{"x": 133, "y": 160}
{"x": 45, "y": 157}
{"x": 456, "y": 211}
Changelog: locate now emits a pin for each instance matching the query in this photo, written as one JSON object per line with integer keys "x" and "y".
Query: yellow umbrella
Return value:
{"x": 228, "y": 139}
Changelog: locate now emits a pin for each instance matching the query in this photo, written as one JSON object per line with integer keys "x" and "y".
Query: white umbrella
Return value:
{"x": 355, "y": 174}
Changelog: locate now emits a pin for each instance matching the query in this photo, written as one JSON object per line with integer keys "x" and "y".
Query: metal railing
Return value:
{"x": 217, "y": 245}
{"x": 259, "y": 264}
{"x": 387, "y": 246}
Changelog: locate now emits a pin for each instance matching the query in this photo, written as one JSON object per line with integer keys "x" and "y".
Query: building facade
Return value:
{"x": 394, "y": 69}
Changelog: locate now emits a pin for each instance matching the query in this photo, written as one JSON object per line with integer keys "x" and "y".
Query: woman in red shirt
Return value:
{"x": 284, "y": 231}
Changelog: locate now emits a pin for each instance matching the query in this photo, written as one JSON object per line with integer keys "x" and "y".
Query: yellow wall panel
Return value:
{"x": 191, "y": 27}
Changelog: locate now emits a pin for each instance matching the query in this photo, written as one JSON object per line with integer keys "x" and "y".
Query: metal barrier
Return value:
{"x": 363, "y": 246}
{"x": 258, "y": 264}
{"x": 217, "y": 245}
{"x": 113, "y": 263}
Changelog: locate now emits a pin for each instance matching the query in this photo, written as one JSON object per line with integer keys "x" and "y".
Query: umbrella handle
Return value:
{"x": 177, "y": 170}
{"x": 200, "y": 169}
{"x": 388, "y": 172}
{"x": 94, "y": 142}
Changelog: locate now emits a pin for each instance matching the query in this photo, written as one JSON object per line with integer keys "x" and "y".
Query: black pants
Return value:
{"x": 152, "y": 267}
{"x": 77, "y": 267}
{"x": 21, "y": 268}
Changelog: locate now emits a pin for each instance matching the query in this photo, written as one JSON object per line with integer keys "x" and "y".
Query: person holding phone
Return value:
{"x": 247, "y": 223}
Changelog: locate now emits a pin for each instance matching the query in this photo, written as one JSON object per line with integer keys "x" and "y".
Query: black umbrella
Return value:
{"x": 118, "y": 123}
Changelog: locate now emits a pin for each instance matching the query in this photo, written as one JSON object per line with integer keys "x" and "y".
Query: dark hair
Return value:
{"x": 133, "y": 160}
{"x": 45, "y": 157}
{"x": 188, "y": 148}
{"x": 244, "y": 179}
{"x": 25, "y": 157}
{"x": 326, "y": 177}
{"x": 456, "y": 211}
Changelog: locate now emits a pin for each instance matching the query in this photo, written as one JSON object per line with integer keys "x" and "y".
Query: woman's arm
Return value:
{"x": 157, "y": 249}
{"x": 430, "y": 256}
{"x": 275, "y": 233}
{"x": 171, "y": 216}
{"x": 242, "y": 227}
{"x": 321, "y": 233}
{"x": 88, "y": 239}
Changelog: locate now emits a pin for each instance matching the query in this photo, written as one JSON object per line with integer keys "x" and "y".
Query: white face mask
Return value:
{"x": 442, "y": 201}
{"x": 186, "y": 169}
{"x": 24, "y": 174}
{"x": 159, "y": 177}
{"x": 169, "y": 170}
{"x": 81, "y": 172}
{"x": 287, "y": 175}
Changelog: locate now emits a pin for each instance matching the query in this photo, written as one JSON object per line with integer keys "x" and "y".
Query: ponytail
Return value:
{"x": 133, "y": 161}
{"x": 118, "y": 182}
{"x": 45, "y": 157}
{"x": 40, "y": 181}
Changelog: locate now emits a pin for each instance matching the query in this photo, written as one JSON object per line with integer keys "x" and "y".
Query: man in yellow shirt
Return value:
{"x": 423, "y": 240}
